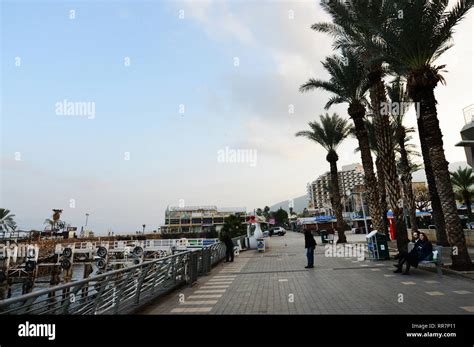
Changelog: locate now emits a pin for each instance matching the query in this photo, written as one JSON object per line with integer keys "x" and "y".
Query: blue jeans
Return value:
{"x": 310, "y": 256}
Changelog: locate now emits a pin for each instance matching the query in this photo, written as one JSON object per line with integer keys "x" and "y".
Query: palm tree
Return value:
{"x": 463, "y": 182}
{"x": 436, "y": 209}
{"x": 7, "y": 223}
{"x": 407, "y": 149}
{"x": 398, "y": 96}
{"x": 348, "y": 84}
{"x": 413, "y": 56}
{"x": 330, "y": 133}
{"x": 233, "y": 226}
{"x": 380, "y": 175}
{"x": 353, "y": 21}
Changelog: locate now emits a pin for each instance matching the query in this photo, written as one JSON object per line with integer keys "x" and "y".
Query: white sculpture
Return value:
{"x": 254, "y": 231}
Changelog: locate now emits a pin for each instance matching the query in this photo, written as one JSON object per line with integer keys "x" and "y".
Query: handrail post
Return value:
{"x": 192, "y": 267}
{"x": 145, "y": 270}
{"x": 120, "y": 291}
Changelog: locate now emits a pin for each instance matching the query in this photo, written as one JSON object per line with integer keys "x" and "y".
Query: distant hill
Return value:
{"x": 299, "y": 204}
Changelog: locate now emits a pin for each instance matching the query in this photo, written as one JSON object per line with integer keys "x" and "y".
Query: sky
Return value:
{"x": 192, "y": 102}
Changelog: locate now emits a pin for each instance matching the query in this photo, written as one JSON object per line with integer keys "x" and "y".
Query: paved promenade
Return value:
{"x": 276, "y": 282}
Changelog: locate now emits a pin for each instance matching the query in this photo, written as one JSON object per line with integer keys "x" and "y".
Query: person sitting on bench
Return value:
{"x": 422, "y": 250}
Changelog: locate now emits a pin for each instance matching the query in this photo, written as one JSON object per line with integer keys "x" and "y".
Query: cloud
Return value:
{"x": 217, "y": 20}
{"x": 292, "y": 53}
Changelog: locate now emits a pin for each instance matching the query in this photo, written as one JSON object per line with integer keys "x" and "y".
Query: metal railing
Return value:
{"x": 120, "y": 291}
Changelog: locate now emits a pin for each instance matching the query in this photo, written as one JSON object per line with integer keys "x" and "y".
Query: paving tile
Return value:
{"x": 436, "y": 293}
{"x": 214, "y": 287}
{"x": 209, "y": 296}
{"x": 210, "y": 291}
{"x": 198, "y": 302}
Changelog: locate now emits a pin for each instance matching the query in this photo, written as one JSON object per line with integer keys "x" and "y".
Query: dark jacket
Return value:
{"x": 421, "y": 251}
{"x": 309, "y": 241}
{"x": 414, "y": 250}
{"x": 425, "y": 249}
{"x": 228, "y": 242}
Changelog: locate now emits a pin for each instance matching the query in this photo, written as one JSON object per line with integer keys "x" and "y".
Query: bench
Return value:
{"x": 435, "y": 257}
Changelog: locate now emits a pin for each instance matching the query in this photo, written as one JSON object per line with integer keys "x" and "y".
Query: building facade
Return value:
{"x": 467, "y": 134}
{"x": 350, "y": 178}
{"x": 196, "y": 219}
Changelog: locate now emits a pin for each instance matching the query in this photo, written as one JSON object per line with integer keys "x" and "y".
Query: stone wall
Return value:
{"x": 468, "y": 234}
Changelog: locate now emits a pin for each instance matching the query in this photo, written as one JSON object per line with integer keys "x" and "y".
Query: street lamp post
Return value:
{"x": 349, "y": 195}
{"x": 84, "y": 227}
{"x": 349, "y": 192}
{"x": 363, "y": 212}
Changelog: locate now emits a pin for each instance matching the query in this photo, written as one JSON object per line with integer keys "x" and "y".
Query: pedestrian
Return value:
{"x": 309, "y": 244}
{"x": 229, "y": 253}
{"x": 422, "y": 250}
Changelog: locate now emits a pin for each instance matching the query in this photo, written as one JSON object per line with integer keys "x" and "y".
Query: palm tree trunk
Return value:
{"x": 436, "y": 210}
{"x": 407, "y": 179}
{"x": 336, "y": 201}
{"x": 386, "y": 151}
{"x": 383, "y": 194}
{"x": 357, "y": 113}
{"x": 434, "y": 141}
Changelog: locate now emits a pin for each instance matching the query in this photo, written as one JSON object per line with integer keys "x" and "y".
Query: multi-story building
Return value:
{"x": 198, "y": 218}
{"x": 467, "y": 134}
{"x": 350, "y": 177}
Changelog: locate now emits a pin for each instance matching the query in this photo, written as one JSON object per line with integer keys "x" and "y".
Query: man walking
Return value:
{"x": 309, "y": 244}
{"x": 229, "y": 253}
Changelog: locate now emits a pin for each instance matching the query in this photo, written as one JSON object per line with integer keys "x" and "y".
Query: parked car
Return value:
{"x": 277, "y": 231}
